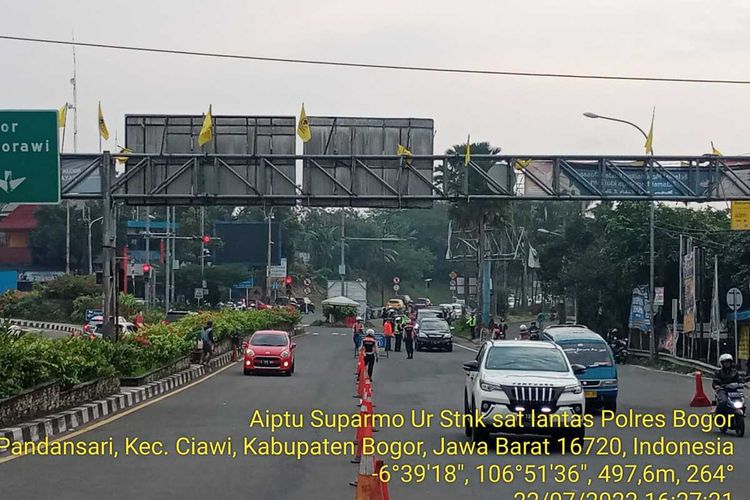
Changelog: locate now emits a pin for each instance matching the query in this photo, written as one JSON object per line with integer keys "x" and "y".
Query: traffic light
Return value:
{"x": 206, "y": 239}
{"x": 146, "y": 271}
{"x": 288, "y": 281}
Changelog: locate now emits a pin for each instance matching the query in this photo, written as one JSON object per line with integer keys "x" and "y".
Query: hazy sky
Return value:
{"x": 684, "y": 38}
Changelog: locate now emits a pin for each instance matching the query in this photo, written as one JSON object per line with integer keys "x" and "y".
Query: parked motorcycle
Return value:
{"x": 735, "y": 405}
{"x": 619, "y": 347}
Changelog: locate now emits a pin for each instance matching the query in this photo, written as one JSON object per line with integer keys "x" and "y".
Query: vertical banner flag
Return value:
{"x": 103, "y": 131}
{"x": 206, "y": 132}
{"x": 303, "y": 126}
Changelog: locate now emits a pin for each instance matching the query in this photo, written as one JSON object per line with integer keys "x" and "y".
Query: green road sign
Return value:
{"x": 29, "y": 157}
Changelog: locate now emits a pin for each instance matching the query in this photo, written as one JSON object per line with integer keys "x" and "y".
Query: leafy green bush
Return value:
{"x": 71, "y": 286}
{"x": 339, "y": 313}
{"x": 30, "y": 360}
{"x": 80, "y": 304}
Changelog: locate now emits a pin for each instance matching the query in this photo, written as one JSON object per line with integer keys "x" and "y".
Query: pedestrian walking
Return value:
{"x": 409, "y": 340}
{"x": 207, "y": 337}
{"x": 370, "y": 348}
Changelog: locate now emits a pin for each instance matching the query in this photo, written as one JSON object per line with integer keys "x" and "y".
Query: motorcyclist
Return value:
{"x": 727, "y": 374}
{"x": 533, "y": 331}
{"x": 524, "y": 332}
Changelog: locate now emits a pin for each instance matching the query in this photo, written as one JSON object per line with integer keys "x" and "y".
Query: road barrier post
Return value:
{"x": 699, "y": 398}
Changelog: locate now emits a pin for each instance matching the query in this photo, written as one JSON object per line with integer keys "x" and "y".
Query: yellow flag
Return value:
{"x": 62, "y": 115}
{"x": 207, "y": 128}
{"x": 303, "y": 127}
{"x": 715, "y": 151}
{"x": 467, "y": 154}
{"x": 102, "y": 125}
{"x": 521, "y": 164}
{"x": 650, "y": 137}
{"x": 405, "y": 153}
{"x": 123, "y": 150}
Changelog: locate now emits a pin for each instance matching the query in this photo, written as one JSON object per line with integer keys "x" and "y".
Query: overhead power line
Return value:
{"x": 394, "y": 67}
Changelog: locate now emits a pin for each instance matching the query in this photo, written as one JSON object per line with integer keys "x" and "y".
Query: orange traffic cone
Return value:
{"x": 363, "y": 379}
{"x": 364, "y": 430}
{"x": 385, "y": 495}
{"x": 699, "y": 398}
{"x": 368, "y": 486}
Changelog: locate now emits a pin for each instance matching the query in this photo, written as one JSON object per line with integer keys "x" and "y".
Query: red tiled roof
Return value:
{"x": 20, "y": 218}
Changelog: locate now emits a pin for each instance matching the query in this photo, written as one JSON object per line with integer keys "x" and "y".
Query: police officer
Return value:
{"x": 358, "y": 330}
{"x": 370, "y": 347}
{"x": 472, "y": 323}
{"x": 398, "y": 331}
{"x": 409, "y": 339}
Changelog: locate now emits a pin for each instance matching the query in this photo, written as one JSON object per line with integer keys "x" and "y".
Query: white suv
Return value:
{"x": 521, "y": 377}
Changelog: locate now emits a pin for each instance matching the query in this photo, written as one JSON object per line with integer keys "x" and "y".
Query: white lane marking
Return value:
{"x": 334, "y": 333}
{"x": 316, "y": 333}
{"x": 464, "y": 347}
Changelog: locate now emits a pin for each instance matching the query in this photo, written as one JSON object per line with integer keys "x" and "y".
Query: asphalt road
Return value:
{"x": 221, "y": 406}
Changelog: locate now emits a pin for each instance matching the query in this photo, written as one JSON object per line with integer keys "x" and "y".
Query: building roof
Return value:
{"x": 22, "y": 218}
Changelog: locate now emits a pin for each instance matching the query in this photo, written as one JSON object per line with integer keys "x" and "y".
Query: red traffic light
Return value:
{"x": 206, "y": 239}
{"x": 146, "y": 268}
{"x": 288, "y": 280}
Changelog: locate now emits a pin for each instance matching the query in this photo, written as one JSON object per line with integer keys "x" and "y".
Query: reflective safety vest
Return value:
{"x": 472, "y": 321}
{"x": 368, "y": 344}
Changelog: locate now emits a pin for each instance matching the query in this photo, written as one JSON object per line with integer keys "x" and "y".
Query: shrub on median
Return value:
{"x": 30, "y": 360}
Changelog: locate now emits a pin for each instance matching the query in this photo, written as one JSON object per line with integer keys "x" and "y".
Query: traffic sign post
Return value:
{"x": 396, "y": 288}
{"x": 734, "y": 301}
{"x": 307, "y": 291}
{"x": 396, "y": 280}
{"x": 659, "y": 296}
{"x": 29, "y": 157}
{"x": 307, "y": 282}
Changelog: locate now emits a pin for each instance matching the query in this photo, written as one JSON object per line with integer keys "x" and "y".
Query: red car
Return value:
{"x": 257, "y": 304}
{"x": 269, "y": 351}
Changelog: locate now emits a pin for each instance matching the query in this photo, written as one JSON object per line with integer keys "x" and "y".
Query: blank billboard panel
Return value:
{"x": 329, "y": 179}
{"x": 225, "y": 176}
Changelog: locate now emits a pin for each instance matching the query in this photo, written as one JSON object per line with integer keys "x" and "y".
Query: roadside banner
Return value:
{"x": 639, "y": 310}
{"x": 688, "y": 284}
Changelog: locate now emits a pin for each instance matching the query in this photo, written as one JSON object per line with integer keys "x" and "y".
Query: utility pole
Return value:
{"x": 269, "y": 218}
{"x": 342, "y": 265}
{"x": 147, "y": 283}
{"x": 168, "y": 261}
{"x": 108, "y": 245}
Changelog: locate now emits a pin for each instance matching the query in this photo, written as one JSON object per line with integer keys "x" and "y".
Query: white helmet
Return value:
{"x": 359, "y": 318}
{"x": 523, "y": 328}
{"x": 726, "y": 357}
{"x": 370, "y": 331}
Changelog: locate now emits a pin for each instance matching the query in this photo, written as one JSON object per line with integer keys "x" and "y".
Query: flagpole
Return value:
{"x": 65, "y": 125}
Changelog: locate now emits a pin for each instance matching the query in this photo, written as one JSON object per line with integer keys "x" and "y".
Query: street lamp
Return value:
{"x": 652, "y": 336}
{"x": 91, "y": 264}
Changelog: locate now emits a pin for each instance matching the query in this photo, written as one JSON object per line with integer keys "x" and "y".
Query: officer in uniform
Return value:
{"x": 399, "y": 331}
{"x": 409, "y": 339}
{"x": 370, "y": 347}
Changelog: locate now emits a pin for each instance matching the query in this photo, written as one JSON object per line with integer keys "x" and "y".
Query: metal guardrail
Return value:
{"x": 690, "y": 363}
{"x": 45, "y": 325}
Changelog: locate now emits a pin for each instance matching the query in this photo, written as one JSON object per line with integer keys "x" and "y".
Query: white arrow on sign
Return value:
{"x": 734, "y": 299}
{"x": 9, "y": 184}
